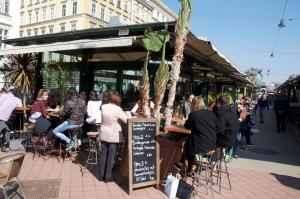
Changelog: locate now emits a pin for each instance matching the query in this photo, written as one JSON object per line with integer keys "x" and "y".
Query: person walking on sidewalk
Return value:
{"x": 263, "y": 105}
{"x": 281, "y": 106}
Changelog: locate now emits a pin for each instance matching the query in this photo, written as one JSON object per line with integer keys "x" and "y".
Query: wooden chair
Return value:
{"x": 15, "y": 162}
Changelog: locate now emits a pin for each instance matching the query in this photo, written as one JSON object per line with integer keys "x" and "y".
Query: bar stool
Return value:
{"x": 73, "y": 135}
{"x": 204, "y": 163}
{"x": 220, "y": 160}
{"x": 92, "y": 158}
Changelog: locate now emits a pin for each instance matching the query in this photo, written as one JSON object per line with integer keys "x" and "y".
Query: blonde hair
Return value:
{"x": 41, "y": 93}
{"x": 197, "y": 104}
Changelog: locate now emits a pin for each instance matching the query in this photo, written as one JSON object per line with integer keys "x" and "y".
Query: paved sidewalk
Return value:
{"x": 269, "y": 170}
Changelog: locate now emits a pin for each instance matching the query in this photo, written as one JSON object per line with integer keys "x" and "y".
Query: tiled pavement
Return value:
{"x": 245, "y": 183}
{"x": 248, "y": 181}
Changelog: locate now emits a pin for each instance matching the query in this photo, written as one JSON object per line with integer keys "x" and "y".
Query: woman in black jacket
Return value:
{"x": 229, "y": 124}
{"x": 204, "y": 126}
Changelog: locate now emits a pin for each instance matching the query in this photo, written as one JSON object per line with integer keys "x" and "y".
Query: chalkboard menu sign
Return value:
{"x": 143, "y": 152}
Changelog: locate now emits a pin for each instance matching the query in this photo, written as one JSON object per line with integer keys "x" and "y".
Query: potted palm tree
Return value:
{"x": 181, "y": 31}
{"x": 21, "y": 74}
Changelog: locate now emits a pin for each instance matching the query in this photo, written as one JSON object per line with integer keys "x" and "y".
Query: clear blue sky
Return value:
{"x": 245, "y": 31}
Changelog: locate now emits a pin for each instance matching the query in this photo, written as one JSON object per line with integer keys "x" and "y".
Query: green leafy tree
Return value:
{"x": 253, "y": 73}
{"x": 154, "y": 41}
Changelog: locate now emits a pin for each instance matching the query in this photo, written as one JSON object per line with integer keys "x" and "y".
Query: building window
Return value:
{"x": 62, "y": 28}
{"x": 74, "y": 11}
{"x": 22, "y": 18}
{"x": 28, "y": 33}
{"x": 36, "y": 32}
{"x": 22, "y": 3}
{"x": 44, "y": 13}
{"x": 37, "y": 1}
{"x": 29, "y": 17}
{"x": 63, "y": 10}
{"x": 3, "y": 36}
{"x": 51, "y": 12}
{"x": 102, "y": 13}
{"x": 4, "y": 8}
{"x": 43, "y": 31}
{"x": 36, "y": 16}
{"x": 126, "y": 5}
{"x": 29, "y": 2}
{"x": 93, "y": 9}
{"x": 50, "y": 29}
{"x": 111, "y": 1}
{"x": 21, "y": 33}
{"x": 111, "y": 13}
{"x": 119, "y": 4}
{"x": 73, "y": 26}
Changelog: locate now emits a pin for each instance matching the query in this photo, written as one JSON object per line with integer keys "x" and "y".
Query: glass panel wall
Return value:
{"x": 104, "y": 80}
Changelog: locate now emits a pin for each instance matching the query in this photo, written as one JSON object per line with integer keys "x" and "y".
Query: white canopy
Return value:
{"x": 70, "y": 45}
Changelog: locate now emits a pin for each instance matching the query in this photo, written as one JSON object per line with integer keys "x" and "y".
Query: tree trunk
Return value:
{"x": 145, "y": 89}
{"x": 181, "y": 31}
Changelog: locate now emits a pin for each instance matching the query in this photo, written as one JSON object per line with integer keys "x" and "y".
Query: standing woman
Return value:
{"x": 110, "y": 133}
{"x": 93, "y": 111}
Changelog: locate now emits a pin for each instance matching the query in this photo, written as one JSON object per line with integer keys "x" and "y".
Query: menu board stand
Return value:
{"x": 143, "y": 152}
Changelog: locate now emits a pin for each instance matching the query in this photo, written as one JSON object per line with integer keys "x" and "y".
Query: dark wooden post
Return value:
{"x": 38, "y": 75}
{"x": 86, "y": 72}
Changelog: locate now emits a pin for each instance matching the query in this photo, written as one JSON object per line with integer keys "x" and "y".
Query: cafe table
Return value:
{"x": 177, "y": 134}
{"x": 20, "y": 113}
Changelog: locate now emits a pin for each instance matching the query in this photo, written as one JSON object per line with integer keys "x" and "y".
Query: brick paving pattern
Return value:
{"x": 248, "y": 181}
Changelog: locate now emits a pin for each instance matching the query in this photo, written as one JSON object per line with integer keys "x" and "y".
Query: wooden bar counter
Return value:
{"x": 171, "y": 148}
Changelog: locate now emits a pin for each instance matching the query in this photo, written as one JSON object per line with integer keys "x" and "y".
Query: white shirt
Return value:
{"x": 136, "y": 106}
{"x": 8, "y": 103}
{"x": 94, "y": 112}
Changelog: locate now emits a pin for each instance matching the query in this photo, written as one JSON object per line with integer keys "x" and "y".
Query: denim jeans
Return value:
{"x": 262, "y": 112}
{"x": 107, "y": 157}
{"x": 61, "y": 128}
{"x": 4, "y": 129}
{"x": 237, "y": 142}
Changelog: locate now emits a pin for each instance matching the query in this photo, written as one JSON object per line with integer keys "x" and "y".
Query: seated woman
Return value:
{"x": 110, "y": 133}
{"x": 52, "y": 103}
{"x": 204, "y": 126}
{"x": 93, "y": 111}
{"x": 39, "y": 114}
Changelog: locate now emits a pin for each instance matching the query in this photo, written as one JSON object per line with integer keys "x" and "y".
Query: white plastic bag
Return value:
{"x": 172, "y": 185}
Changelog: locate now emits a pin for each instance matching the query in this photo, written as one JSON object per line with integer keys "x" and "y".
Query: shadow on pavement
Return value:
{"x": 288, "y": 181}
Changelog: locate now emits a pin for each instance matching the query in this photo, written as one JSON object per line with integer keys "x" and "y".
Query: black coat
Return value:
{"x": 229, "y": 125}
{"x": 204, "y": 125}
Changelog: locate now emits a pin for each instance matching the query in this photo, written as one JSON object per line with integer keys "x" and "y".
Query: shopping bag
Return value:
{"x": 172, "y": 185}
{"x": 184, "y": 190}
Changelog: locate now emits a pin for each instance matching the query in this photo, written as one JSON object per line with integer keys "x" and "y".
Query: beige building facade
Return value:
{"x": 38, "y": 17}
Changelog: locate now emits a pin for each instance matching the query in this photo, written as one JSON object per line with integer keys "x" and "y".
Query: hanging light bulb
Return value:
{"x": 281, "y": 24}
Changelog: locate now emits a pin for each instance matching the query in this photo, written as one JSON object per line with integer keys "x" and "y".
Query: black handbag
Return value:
{"x": 184, "y": 190}
{"x": 42, "y": 125}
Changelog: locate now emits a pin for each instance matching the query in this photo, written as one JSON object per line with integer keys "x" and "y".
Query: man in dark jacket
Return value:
{"x": 281, "y": 106}
{"x": 74, "y": 111}
{"x": 229, "y": 124}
